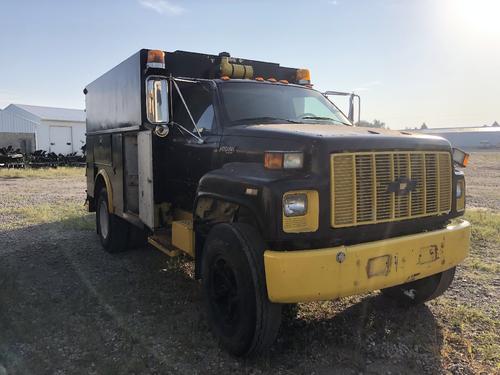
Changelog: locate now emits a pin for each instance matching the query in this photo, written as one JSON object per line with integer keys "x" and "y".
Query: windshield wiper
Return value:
{"x": 324, "y": 118}
{"x": 265, "y": 119}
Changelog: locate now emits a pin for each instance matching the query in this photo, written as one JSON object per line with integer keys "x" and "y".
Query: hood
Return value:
{"x": 342, "y": 137}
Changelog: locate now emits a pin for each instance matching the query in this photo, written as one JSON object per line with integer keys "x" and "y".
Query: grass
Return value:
{"x": 485, "y": 225}
{"x": 476, "y": 332}
{"x": 480, "y": 265}
{"x": 485, "y": 252}
{"x": 68, "y": 215}
{"x": 45, "y": 173}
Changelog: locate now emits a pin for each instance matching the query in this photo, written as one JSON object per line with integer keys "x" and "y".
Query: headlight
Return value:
{"x": 295, "y": 205}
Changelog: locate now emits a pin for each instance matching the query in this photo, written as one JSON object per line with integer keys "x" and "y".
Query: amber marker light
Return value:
{"x": 156, "y": 59}
{"x": 460, "y": 157}
{"x": 260, "y": 79}
{"x": 273, "y": 160}
{"x": 303, "y": 76}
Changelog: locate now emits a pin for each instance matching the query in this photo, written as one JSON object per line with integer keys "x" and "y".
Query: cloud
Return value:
{"x": 162, "y": 6}
{"x": 333, "y": 2}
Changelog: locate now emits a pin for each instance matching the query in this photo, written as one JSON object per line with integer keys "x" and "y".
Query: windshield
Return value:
{"x": 252, "y": 102}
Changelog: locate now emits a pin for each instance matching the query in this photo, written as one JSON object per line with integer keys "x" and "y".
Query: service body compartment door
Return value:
{"x": 146, "y": 193}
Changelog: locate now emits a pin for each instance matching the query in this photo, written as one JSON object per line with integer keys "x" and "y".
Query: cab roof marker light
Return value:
{"x": 272, "y": 79}
{"x": 260, "y": 79}
{"x": 283, "y": 81}
{"x": 156, "y": 59}
{"x": 225, "y": 78}
{"x": 303, "y": 76}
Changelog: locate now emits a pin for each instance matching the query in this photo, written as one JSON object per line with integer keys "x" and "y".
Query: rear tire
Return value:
{"x": 234, "y": 289}
{"x": 113, "y": 231}
{"x": 420, "y": 291}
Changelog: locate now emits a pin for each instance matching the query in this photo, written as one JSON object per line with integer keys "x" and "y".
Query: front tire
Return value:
{"x": 420, "y": 291}
{"x": 113, "y": 231}
{"x": 234, "y": 288}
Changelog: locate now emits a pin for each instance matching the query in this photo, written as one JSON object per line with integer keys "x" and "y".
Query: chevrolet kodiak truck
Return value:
{"x": 261, "y": 179}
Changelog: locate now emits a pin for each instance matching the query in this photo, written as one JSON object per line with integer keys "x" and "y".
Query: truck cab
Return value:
{"x": 270, "y": 187}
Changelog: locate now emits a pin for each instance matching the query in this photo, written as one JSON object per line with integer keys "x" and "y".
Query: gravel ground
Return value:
{"x": 483, "y": 180}
{"x": 68, "y": 307}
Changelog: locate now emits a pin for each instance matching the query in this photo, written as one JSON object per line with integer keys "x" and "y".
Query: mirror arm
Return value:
{"x": 198, "y": 137}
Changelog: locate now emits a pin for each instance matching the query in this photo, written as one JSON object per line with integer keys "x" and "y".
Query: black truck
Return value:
{"x": 272, "y": 190}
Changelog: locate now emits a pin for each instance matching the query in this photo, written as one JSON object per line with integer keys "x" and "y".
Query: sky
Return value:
{"x": 412, "y": 61}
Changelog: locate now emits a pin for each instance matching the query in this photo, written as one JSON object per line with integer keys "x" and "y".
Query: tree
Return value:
{"x": 423, "y": 126}
{"x": 375, "y": 124}
{"x": 496, "y": 124}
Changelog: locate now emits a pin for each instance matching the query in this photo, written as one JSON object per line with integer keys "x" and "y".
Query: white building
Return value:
{"x": 469, "y": 138}
{"x": 58, "y": 130}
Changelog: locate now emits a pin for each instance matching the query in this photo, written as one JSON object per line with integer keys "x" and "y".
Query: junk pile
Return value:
{"x": 11, "y": 158}
{"x": 14, "y": 158}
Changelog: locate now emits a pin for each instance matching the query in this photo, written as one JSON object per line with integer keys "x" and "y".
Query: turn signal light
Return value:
{"x": 283, "y": 160}
{"x": 156, "y": 59}
{"x": 460, "y": 157}
{"x": 273, "y": 160}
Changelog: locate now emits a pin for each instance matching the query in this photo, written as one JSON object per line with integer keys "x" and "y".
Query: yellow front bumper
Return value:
{"x": 323, "y": 274}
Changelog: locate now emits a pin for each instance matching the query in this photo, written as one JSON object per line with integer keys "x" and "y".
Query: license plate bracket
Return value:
{"x": 428, "y": 254}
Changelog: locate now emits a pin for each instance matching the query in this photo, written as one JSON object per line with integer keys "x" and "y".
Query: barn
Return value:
{"x": 470, "y": 138}
{"x": 30, "y": 127}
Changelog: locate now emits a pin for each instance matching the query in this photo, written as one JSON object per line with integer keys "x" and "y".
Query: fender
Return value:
{"x": 249, "y": 185}
{"x": 109, "y": 188}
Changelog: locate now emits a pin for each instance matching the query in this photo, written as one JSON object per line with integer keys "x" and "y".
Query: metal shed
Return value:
{"x": 59, "y": 130}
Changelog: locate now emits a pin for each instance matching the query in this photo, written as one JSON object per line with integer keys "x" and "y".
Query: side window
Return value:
{"x": 206, "y": 120}
{"x": 199, "y": 99}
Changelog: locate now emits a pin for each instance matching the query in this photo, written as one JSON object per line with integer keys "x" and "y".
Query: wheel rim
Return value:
{"x": 224, "y": 292}
{"x": 103, "y": 219}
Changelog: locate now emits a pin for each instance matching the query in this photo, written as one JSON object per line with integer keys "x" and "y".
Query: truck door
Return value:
{"x": 188, "y": 159}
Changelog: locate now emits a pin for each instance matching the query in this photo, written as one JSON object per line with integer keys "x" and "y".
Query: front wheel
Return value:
{"x": 234, "y": 288}
{"x": 419, "y": 291}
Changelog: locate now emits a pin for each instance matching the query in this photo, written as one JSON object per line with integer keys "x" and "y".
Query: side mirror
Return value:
{"x": 157, "y": 100}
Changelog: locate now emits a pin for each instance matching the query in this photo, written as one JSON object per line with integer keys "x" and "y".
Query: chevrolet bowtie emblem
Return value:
{"x": 402, "y": 186}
